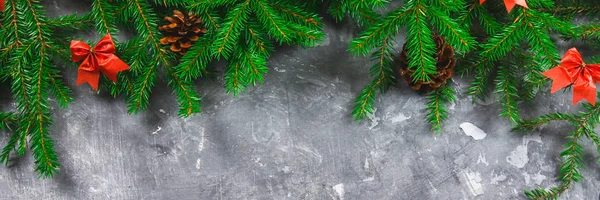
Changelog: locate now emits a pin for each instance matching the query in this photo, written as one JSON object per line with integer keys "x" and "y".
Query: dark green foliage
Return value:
{"x": 245, "y": 37}
{"x": 512, "y": 52}
{"x": 30, "y": 44}
{"x": 244, "y": 34}
{"x": 383, "y": 78}
{"x": 438, "y": 99}
{"x": 422, "y": 19}
{"x": 572, "y": 156}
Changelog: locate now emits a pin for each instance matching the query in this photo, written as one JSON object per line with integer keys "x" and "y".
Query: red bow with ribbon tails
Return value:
{"x": 572, "y": 70}
{"x": 1, "y": 5}
{"x": 510, "y": 4}
{"x": 101, "y": 58}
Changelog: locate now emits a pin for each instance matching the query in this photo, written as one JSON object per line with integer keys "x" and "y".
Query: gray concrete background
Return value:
{"x": 293, "y": 138}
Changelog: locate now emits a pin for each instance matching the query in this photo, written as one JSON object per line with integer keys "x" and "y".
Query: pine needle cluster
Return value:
{"x": 245, "y": 36}
{"x": 30, "y": 45}
{"x": 243, "y": 32}
{"x": 584, "y": 124}
{"x": 505, "y": 52}
{"x": 422, "y": 19}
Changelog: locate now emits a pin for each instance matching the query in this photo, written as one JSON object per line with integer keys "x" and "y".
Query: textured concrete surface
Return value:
{"x": 293, "y": 138}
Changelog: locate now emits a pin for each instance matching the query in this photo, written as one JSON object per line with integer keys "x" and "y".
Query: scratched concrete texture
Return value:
{"x": 293, "y": 138}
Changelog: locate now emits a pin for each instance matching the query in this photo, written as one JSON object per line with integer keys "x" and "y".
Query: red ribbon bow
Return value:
{"x": 572, "y": 70}
{"x": 101, "y": 58}
{"x": 1, "y": 5}
{"x": 510, "y": 4}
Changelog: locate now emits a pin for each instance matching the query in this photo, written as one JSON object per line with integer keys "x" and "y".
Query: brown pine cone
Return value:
{"x": 445, "y": 62}
{"x": 183, "y": 30}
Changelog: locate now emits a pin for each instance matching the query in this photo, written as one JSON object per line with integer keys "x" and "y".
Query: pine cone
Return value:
{"x": 445, "y": 62}
{"x": 183, "y": 30}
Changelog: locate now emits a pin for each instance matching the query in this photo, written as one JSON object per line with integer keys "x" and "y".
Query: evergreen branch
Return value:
{"x": 466, "y": 17}
{"x": 60, "y": 91}
{"x": 255, "y": 38}
{"x": 255, "y": 66}
{"x": 193, "y": 63}
{"x": 488, "y": 22}
{"x": 274, "y": 25}
{"x": 438, "y": 98}
{"x": 105, "y": 22}
{"x": 363, "y": 105}
{"x": 375, "y": 34}
{"x": 384, "y": 77}
{"x": 452, "y": 31}
{"x": 7, "y": 119}
{"x": 211, "y": 20}
{"x": 69, "y": 22}
{"x": 572, "y": 163}
{"x": 420, "y": 44}
{"x": 41, "y": 144}
{"x": 531, "y": 125}
{"x": 506, "y": 86}
{"x": 227, "y": 36}
{"x": 233, "y": 78}
{"x": 190, "y": 101}
{"x": 297, "y": 15}
{"x": 573, "y": 154}
{"x": 479, "y": 87}
{"x": 9, "y": 147}
{"x": 500, "y": 44}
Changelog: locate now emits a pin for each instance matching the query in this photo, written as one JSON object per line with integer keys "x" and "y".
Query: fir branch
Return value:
{"x": 437, "y": 112}
{"x": 190, "y": 101}
{"x": 531, "y": 125}
{"x": 384, "y": 77}
{"x": 233, "y": 78}
{"x": 572, "y": 162}
{"x": 506, "y": 87}
{"x": 375, "y": 34}
{"x": 500, "y": 44}
{"x": 228, "y": 36}
{"x": 272, "y": 22}
{"x": 7, "y": 119}
{"x": 570, "y": 167}
{"x": 420, "y": 45}
{"x": 193, "y": 63}
{"x": 452, "y": 31}
{"x": 479, "y": 87}
{"x": 42, "y": 145}
{"x": 105, "y": 21}
{"x": 297, "y": 15}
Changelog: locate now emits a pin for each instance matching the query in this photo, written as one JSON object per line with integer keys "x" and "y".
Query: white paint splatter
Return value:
{"x": 400, "y": 118}
{"x": 312, "y": 151}
{"x": 339, "y": 189}
{"x": 202, "y": 141}
{"x": 198, "y": 161}
{"x": 374, "y": 119}
{"x": 257, "y": 161}
{"x": 366, "y": 163}
{"x": 473, "y": 131}
{"x": 279, "y": 70}
{"x": 482, "y": 159}
{"x": 286, "y": 169}
{"x": 369, "y": 179}
{"x": 162, "y": 111}
{"x": 536, "y": 178}
{"x": 157, "y": 130}
{"x": 473, "y": 182}
{"x": 518, "y": 157}
{"x": 496, "y": 179}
